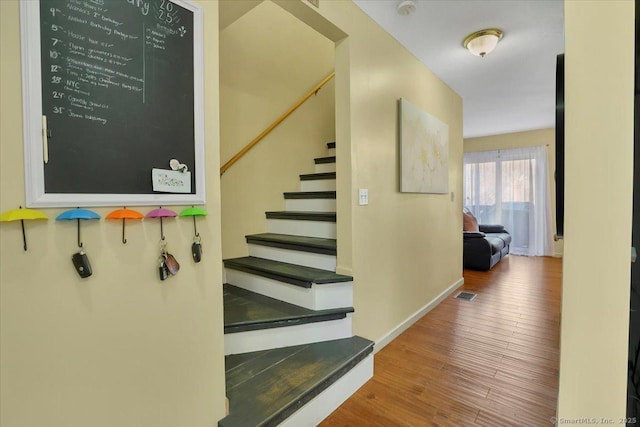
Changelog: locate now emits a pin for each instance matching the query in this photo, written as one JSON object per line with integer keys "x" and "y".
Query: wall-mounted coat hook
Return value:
{"x": 21, "y": 215}
{"x": 79, "y": 241}
{"x": 161, "y": 213}
{"x": 78, "y": 214}
{"x": 124, "y": 214}
{"x": 194, "y": 212}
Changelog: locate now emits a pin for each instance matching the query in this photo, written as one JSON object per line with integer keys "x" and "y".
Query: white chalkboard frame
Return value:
{"x": 33, "y": 130}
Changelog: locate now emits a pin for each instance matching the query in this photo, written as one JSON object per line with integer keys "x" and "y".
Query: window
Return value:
{"x": 511, "y": 187}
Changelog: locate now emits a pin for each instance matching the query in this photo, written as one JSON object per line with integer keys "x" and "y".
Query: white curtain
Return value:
{"x": 511, "y": 187}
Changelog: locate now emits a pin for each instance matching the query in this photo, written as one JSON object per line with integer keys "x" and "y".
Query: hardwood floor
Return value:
{"x": 489, "y": 362}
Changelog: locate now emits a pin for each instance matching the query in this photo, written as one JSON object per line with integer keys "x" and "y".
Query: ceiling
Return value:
{"x": 512, "y": 89}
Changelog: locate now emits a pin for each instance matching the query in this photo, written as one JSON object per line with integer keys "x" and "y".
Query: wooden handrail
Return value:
{"x": 273, "y": 125}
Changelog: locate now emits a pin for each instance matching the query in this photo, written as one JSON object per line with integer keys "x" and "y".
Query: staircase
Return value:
{"x": 291, "y": 358}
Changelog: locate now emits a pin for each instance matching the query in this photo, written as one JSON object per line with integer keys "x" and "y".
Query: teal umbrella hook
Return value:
{"x": 78, "y": 214}
{"x": 79, "y": 242}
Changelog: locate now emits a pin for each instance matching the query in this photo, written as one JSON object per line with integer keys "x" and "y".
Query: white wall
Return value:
{"x": 598, "y": 205}
{"x": 120, "y": 348}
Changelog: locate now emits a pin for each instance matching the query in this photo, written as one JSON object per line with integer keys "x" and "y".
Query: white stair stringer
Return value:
{"x": 291, "y": 256}
{"x": 287, "y": 336}
{"x": 324, "y": 229}
{"x": 321, "y": 406}
{"x": 310, "y": 205}
{"x": 318, "y": 185}
{"x": 318, "y": 297}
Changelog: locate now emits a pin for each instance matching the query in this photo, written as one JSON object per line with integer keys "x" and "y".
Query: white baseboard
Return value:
{"x": 394, "y": 333}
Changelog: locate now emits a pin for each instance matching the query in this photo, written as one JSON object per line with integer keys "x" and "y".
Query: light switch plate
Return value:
{"x": 363, "y": 196}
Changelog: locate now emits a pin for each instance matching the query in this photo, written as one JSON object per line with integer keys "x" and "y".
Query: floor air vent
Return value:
{"x": 467, "y": 296}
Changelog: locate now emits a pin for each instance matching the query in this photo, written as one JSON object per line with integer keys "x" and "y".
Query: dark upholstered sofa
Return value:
{"x": 484, "y": 248}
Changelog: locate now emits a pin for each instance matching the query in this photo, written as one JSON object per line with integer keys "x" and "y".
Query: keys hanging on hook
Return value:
{"x": 196, "y": 249}
{"x": 162, "y": 268}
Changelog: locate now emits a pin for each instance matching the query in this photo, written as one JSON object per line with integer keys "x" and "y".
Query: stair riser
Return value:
{"x": 308, "y": 259}
{"x": 331, "y": 152}
{"x": 318, "y": 185}
{"x": 310, "y": 205}
{"x": 302, "y": 228}
{"x": 325, "y": 167}
{"x": 264, "y": 339}
{"x": 330, "y": 399}
{"x": 318, "y": 297}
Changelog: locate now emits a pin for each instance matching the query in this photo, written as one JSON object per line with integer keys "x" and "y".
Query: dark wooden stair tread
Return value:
{"x": 298, "y": 243}
{"x": 331, "y": 145}
{"x": 284, "y": 272}
{"x": 316, "y": 176}
{"x": 303, "y": 215}
{"x": 324, "y": 160}
{"x": 266, "y": 387}
{"x": 248, "y": 311}
{"x": 310, "y": 195}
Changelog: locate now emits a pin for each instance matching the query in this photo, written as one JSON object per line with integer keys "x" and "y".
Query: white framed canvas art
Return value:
{"x": 424, "y": 151}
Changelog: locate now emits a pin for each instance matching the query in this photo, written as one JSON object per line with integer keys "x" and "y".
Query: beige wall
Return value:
{"x": 120, "y": 348}
{"x": 403, "y": 249}
{"x": 545, "y": 137}
{"x": 269, "y": 60}
{"x": 599, "y": 169}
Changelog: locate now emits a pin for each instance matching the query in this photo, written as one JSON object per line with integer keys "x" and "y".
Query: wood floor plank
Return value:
{"x": 493, "y": 361}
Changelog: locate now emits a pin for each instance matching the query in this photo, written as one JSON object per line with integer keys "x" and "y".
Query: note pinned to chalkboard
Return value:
{"x": 119, "y": 84}
{"x": 170, "y": 181}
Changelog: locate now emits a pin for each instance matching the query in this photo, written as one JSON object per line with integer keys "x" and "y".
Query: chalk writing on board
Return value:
{"x": 98, "y": 60}
{"x": 117, "y": 90}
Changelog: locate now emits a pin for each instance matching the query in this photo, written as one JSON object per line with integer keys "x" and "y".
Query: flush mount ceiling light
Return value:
{"x": 482, "y": 42}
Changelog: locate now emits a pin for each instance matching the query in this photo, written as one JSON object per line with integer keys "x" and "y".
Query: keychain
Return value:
{"x": 196, "y": 249}
{"x": 81, "y": 263}
{"x": 171, "y": 263}
{"x": 168, "y": 265}
{"x": 162, "y": 269}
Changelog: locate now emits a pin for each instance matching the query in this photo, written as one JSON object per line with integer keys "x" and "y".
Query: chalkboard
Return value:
{"x": 113, "y": 89}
